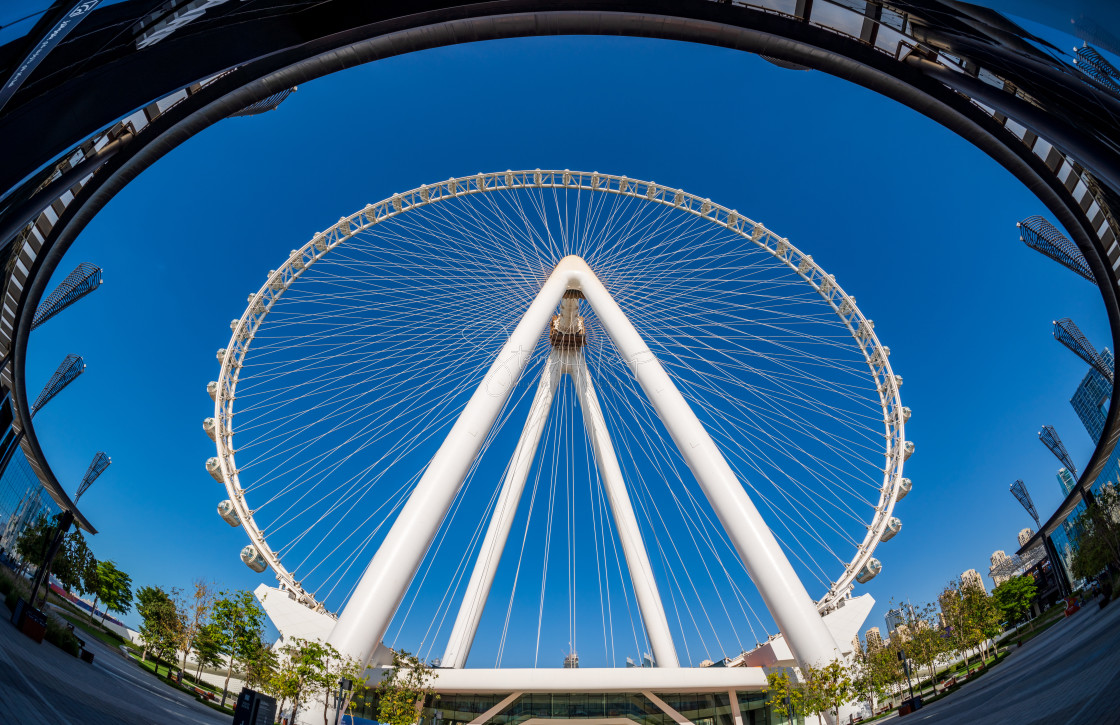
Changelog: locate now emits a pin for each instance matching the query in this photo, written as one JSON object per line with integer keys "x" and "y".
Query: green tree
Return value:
{"x": 829, "y": 687}
{"x": 197, "y": 611}
{"x": 74, "y": 565}
{"x": 924, "y": 644}
{"x": 873, "y": 672}
{"x": 114, "y": 589}
{"x": 260, "y": 667}
{"x": 984, "y": 615}
{"x": 161, "y": 623}
{"x": 970, "y": 616}
{"x": 1013, "y": 598}
{"x": 207, "y": 650}
{"x": 34, "y": 540}
{"x": 338, "y": 668}
{"x": 305, "y": 664}
{"x": 1098, "y": 539}
{"x": 403, "y": 690}
{"x": 780, "y": 690}
{"x": 239, "y": 624}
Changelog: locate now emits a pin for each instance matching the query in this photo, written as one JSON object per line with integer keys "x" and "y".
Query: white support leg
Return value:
{"x": 490, "y": 553}
{"x": 379, "y": 592}
{"x": 629, "y": 534}
{"x": 785, "y": 596}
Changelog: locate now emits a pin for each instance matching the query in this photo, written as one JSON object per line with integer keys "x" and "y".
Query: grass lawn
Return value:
{"x": 93, "y": 630}
{"x": 161, "y": 671}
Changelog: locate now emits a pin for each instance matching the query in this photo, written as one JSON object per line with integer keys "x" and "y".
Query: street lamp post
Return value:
{"x": 344, "y": 687}
{"x": 906, "y": 666}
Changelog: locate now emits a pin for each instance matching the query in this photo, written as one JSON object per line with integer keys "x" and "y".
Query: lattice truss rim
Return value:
{"x": 861, "y": 329}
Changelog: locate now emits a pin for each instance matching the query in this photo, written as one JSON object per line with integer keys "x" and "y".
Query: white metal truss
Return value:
{"x": 367, "y": 614}
{"x": 224, "y": 466}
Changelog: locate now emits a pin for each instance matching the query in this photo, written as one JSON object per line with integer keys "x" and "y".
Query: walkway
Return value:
{"x": 1068, "y": 674}
{"x": 40, "y": 683}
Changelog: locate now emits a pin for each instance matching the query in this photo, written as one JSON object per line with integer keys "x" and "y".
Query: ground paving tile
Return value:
{"x": 40, "y": 683}
{"x": 1068, "y": 674}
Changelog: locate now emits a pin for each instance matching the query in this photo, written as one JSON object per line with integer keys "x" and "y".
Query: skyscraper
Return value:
{"x": 972, "y": 578}
{"x": 898, "y": 617}
{"x": 1066, "y": 480}
{"x": 1025, "y": 536}
{"x": 1090, "y": 400}
{"x": 874, "y": 637}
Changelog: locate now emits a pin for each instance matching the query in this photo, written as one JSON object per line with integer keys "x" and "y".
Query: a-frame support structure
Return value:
{"x": 367, "y": 615}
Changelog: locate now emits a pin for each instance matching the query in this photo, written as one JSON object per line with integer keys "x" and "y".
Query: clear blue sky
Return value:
{"x": 915, "y": 222}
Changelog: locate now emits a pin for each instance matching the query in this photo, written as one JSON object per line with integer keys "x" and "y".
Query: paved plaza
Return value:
{"x": 40, "y": 683}
{"x": 1068, "y": 674}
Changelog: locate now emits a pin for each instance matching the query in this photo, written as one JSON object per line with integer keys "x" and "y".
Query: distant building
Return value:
{"x": 874, "y": 637}
{"x": 1066, "y": 480}
{"x": 1000, "y": 560}
{"x": 571, "y": 662}
{"x": 1025, "y": 536}
{"x": 898, "y": 617}
{"x": 972, "y": 578}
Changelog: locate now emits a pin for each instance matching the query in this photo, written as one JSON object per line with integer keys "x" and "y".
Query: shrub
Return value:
{"x": 60, "y": 636}
{"x": 11, "y": 598}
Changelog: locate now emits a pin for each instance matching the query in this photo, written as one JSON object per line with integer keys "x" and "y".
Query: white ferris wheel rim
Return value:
{"x": 843, "y": 305}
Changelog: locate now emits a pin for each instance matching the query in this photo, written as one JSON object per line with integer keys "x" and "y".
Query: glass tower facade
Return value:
{"x": 1090, "y": 400}
{"x": 22, "y": 500}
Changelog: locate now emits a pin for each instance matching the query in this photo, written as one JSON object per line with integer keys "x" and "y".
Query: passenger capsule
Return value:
{"x": 905, "y": 414}
{"x": 228, "y": 513}
{"x": 212, "y": 388}
{"x": 275, "y": 284}
{"x": 221, "y": 355}
{"x": 210, "y": 428}
{"x": 907, "y": 450}
{"x": 869, "y": 571}
{"x": 904, "y": 487}
{"x": 893, "y": 527}
{"x": 214, "y": 467}
{"x": 253, "y": 559}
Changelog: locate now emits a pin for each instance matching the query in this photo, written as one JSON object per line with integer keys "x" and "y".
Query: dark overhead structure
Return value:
{"x": 96, "y": 467}
{"x": 79, "y": 283}
{"x": 1071, "y": 337}
{"x": 1052, "y": 441}
{"x": 71, "y": 367}
{"x": 90, "y": 110}
{"x": 1042, "y": 236}
{"x": 1094, "y": 65}
{"x": 1019, "y": 491}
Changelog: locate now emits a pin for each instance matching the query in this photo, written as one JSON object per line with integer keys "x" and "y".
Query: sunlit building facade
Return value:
{"x": 1066, "y": 481}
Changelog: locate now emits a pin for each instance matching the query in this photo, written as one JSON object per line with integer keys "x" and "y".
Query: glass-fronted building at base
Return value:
{"x": 592, "y": 708}
{"x": 22, "y": 501}
{"x": 1090, "y": 401}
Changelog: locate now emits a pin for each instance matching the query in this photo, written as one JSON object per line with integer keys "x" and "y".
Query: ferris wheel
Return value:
{"x": 347, "y": 376}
